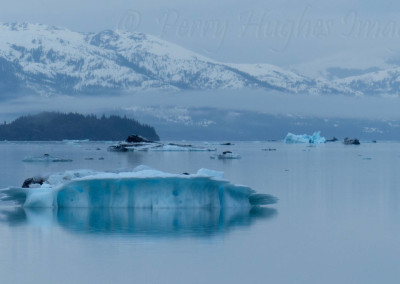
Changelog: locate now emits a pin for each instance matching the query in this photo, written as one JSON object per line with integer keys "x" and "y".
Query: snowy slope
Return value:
{"x": 51, "y": 60}
{"x": 290, "y": 81}
{"x": 57, "y": 60}
{"x": 383, "y": 82}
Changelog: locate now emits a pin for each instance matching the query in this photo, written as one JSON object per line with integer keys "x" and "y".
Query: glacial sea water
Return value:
{"x": 337, "y": 220}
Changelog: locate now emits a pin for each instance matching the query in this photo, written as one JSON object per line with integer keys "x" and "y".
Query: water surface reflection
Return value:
{"x": 163, "y": 223}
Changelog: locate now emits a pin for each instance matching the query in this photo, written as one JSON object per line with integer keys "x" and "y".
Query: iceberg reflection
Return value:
{"x": 140, "y": 222}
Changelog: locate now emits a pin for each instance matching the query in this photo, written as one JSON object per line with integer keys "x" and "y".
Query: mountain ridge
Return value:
{"x": 52, "y": 60}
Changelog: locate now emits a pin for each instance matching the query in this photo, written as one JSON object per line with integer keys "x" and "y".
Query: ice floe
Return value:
{"x": 157, "y": 146}
{"x": 140, "y": 188}
{"x": 315, "y": 138}
{"x": 172, "y": 147}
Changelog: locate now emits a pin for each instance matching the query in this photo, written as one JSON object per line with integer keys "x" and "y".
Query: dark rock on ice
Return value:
{"x": 117, "y": 148}
{"x": 226, "y": 155}
{"x": 348, "y": 141}
{"x": 334, "y": 139}
{"x": 180, "y": 145}
{"x": 33, "y": 180}
{"x": 137, "y": 139}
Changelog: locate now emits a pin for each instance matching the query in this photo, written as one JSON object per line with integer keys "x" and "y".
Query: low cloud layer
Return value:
{"x": 372, "y": 108}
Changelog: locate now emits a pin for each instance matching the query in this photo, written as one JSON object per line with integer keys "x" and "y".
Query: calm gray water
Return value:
{"x": 337, "y": 220}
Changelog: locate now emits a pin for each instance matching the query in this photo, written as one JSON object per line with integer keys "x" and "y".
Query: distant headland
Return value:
{"x": 56, "y": 126}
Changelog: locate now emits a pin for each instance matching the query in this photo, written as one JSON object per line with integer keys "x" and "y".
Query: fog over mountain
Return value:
{"x": 232, "y": 115}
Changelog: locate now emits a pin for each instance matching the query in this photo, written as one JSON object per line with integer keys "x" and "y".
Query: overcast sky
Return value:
{"x": 307, "y": 35}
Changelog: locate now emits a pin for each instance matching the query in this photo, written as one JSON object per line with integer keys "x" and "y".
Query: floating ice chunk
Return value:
{"x": 140, "y": 146}
{"x": 182, "y": 148}
{"x": 117, "y": 148}
{"x": 137, "y": 139}
{"x": 156, "y": 146}
{"x": 316, "y": 138}
{"x": 293, "y": 138}
{"x": 313, "y": 139}
{"x": 45, "y": 158}
{"x": 142, "y": 188}
{"x": 227, "y": 155}
{"x": 348, "y": 141}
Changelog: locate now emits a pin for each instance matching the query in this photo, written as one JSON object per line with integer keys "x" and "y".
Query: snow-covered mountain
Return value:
{"x": 51, "y": 60}
{"x": 381, "y": 82}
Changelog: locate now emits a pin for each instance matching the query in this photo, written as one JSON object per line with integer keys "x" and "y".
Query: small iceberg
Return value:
{"x": 313, "y": 139}
{"x": 133, "y": 143}
{"x": 137, "y": 139}
{"x": 138, "y": 143}
{"x": 348, "y": 141}
{"x": 226, "y": 155}
{"x": 125, "y": 147}
{"x": 172, "y": 147}
{"x": 46, "y": 158}
{"x": 140, "y": 188}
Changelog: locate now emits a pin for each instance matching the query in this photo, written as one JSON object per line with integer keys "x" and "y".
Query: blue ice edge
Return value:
{"x": 141, "y": 188}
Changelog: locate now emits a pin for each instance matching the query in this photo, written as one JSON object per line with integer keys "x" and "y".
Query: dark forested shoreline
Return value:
{"x": 56, "y": 126}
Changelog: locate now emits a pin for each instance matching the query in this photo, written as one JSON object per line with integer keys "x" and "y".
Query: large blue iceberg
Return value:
{"x": 141, "y": 188}
{"x": 313, "y": 139}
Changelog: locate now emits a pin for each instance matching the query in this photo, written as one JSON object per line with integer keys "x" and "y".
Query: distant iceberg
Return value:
{"x": 156, "y": 146}
{"x": 140, "y": 188}
{"x": 313, "y": 139}
{"x": 171, "y": 147}
{"x": 139, "y": 146}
